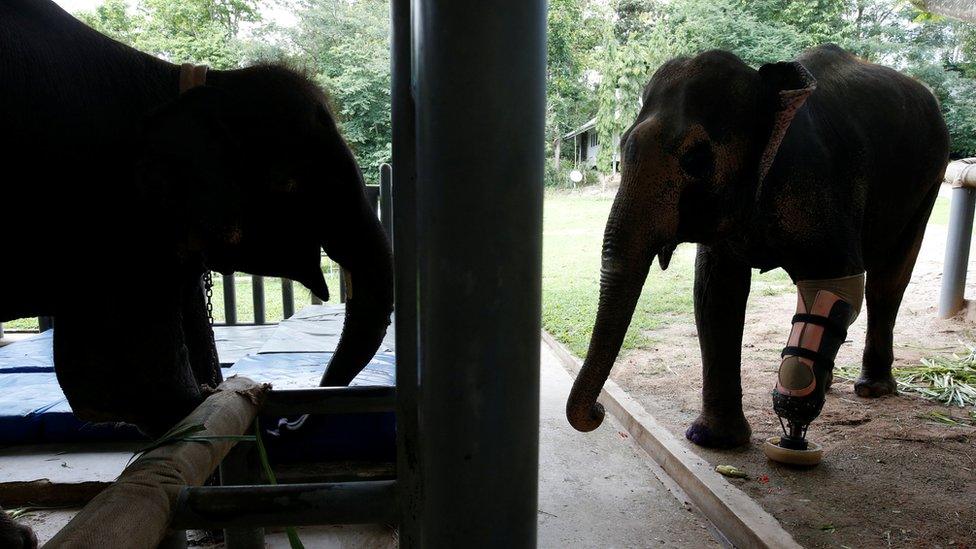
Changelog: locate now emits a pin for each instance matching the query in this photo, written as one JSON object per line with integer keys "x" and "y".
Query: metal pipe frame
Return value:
{"x": 230, "y": 507}
{"x": 480, "y": 71}
{"x": 257, "y": 296}
{"x": 241, "y": 466}
{"x": 230, "y": 300}
{"x": 287, "y": 298}
{"x": 45, "y": 323}
{"x": 386, "y": 199}
{"x": 330, "y": 400}
{"x": 404, "y": 218}
{"x": 952, "y": 295}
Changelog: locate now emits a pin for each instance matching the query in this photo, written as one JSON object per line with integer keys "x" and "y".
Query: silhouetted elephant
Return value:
{"x": 827, "y": 166}
{"x": 121, "y": 186}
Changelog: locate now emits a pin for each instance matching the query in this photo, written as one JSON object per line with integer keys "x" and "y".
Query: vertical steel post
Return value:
{"x": 230, "y": 300}
{"x": 287, "y": 297}
{"x": 480, "y": 92}
{"x": 45, "y": 323}
{"x": 257, "y": 296}
{"x": 409, "y": 488}
{"x": 386, "y": 199}
{"x": 952, "y": 295}
{"x": 175, "y": 539}
{"x": 241, "y": 468}
{"x": 315, "y": 299}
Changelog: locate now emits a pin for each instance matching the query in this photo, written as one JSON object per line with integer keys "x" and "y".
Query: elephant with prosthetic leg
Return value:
{"x": 827, "y": 166}
{"x": 133, "y": 177}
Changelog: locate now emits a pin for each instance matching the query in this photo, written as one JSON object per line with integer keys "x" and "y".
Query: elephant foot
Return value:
{"x": 14, "y": 535}
{"x": 875, "y": 387}
{"x": 728, "y": 432}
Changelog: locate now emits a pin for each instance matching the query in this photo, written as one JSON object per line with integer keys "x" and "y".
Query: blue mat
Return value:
{"x": 34, "y": 410}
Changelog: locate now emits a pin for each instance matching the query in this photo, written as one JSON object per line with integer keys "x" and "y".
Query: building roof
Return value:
{"x": 585, "y": 127}
{"x": 959, "y": 9}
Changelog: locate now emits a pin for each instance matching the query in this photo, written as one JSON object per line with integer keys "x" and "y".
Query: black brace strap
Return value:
{"x": 807, "y": 353}
{"x": 827, "y": 324}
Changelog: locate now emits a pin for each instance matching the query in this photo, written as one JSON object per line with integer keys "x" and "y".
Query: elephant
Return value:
{"x": 827, "y": 166}
{"x": 128, "y": 177}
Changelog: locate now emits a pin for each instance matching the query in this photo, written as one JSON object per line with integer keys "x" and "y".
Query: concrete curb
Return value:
{"x": 737, "y": 516}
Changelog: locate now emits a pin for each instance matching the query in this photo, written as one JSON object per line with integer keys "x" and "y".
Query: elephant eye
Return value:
{"x": 698, "y": 161}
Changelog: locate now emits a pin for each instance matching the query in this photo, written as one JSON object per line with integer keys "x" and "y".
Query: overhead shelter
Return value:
{"x": 964, "y": 10}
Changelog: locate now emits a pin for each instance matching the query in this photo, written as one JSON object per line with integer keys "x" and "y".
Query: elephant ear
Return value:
{"x": 786, "y": 87}
{"x": 186, "y": 167}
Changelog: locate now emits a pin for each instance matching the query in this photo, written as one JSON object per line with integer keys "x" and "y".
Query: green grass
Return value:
{"x": 572, "y": 240}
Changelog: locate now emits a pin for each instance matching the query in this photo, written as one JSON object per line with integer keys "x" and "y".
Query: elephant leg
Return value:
{"x": 15, "y": 535}
{"x": 198, "y": 335}
{"x": 884, "y": 289}
{"x": 721, "y": 291}
{"x": 139, "y": 371}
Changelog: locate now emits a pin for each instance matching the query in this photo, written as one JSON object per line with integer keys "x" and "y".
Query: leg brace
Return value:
{"x": 824, "y": 310}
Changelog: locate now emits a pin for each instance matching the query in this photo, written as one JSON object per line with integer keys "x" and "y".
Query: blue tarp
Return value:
{"x": 33, "y": 409}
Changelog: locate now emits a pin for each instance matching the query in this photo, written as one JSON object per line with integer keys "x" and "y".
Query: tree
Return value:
{"x": 346, "y": 46}
{"x": 198, "y": 31}
{"x": 569, "y": 99}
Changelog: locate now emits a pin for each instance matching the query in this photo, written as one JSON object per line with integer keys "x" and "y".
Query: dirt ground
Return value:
{"x": 889, "y": 478}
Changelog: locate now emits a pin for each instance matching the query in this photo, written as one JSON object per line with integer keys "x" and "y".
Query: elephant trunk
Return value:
{"x": 630, "y": 244}
{"x": 365, "y": 255}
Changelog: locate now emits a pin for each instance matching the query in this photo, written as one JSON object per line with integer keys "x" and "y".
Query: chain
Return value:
{"x": 208, "y": 292}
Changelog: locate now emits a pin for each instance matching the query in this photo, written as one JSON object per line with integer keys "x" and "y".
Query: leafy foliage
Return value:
{"x": 346, "y": 46}
{"x": 938, "y": 51}
{"x": 199, "y": 31}
{"x": 601, "y": 52}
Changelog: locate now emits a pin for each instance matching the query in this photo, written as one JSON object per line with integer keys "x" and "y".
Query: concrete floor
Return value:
{"x": 596, "y": 489}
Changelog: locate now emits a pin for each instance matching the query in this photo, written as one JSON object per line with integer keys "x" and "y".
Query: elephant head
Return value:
{"x": 691, "y": 167}
{"x": 261, "y": 180}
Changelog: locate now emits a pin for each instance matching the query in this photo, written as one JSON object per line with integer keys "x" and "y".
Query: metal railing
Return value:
{"x": 379, "y": 196}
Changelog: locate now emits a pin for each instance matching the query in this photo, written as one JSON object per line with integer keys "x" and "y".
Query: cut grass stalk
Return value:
{"x": 293, "y": 538}
{"x": 950, "y": 380}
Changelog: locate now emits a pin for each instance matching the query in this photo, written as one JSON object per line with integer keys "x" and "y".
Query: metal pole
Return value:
{"x": 342, "y": 285}
{"x": 952, "y": 296}
{"x": 409, "y": 457}
{"x": 287, "y": 297}
{"x": 363, "y": 502}
{"x": 175, "y": 539}
{"x": 363, "y": 399}
{"x": 386, "y": 199}
{"x": 230, "y": 300}
{"x": 480, "y": 266}
{"x": 315, "y": 298}
{"x": 241, "y": 468}
{"x": 45, "y": 323}
{"x": 257, "y": 295}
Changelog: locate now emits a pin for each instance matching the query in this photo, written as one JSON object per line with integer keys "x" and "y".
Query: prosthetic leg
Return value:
{"x": 824, "y": 310}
